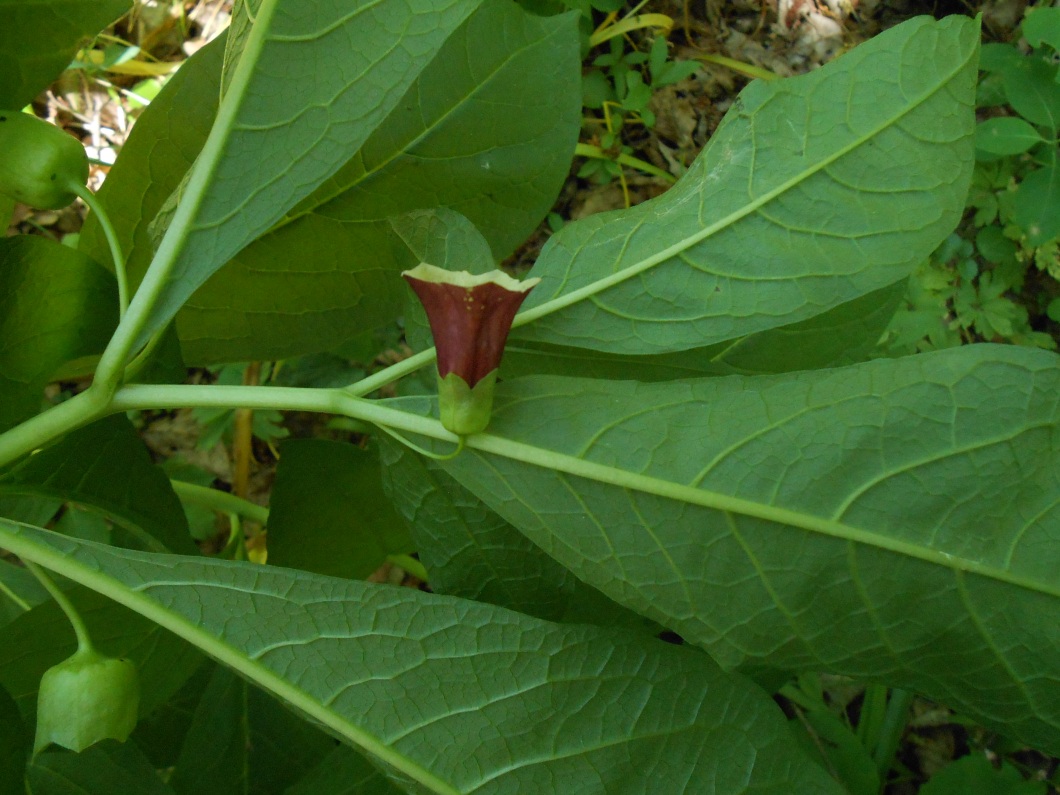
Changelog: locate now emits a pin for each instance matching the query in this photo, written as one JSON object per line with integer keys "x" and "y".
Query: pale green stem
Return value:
{"x": 421, "y": 450}
{"x": 236, "y": 548}
{"x": 84, "y": 640}
{"x": 40, "y": 430}
{"x": 892, "y": 729}
{"x": 409, "y": 564}
{"x": 18, "y": 600}
{"x": 367, "y": 386}
{"x": 595, "y": 152}
{"x": 335, "y": 401}
{"x": 89, "y": 198}
{"x": 218, "y": 500}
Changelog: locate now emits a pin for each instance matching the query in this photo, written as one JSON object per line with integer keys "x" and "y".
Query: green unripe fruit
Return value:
{"x": 85, "y": 699}
{"x": 39, "y": 163}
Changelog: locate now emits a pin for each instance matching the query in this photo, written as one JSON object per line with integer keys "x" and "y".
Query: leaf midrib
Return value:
{"x": 648, "y": 484}
{"x": 636, "y": 268}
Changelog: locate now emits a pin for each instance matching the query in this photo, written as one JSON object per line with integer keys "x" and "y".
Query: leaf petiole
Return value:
{"x": 217, "y": 500}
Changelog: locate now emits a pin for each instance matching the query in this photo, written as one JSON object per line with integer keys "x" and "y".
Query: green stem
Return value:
{"x": 89, "y": 198}
{"x": 891, "y": 730}
{"x": 19, "y": 601}
{"x": 367, "y": 386}
{"x": 595, "y": 152}
{"x": 422, "y": 450}
{"x": 409, "y": 564}
{"x": 84, "y": 640}
{"x": 38, "y": 431}
{"x": 218, "y": 500}
{"x": 336, "y": 401}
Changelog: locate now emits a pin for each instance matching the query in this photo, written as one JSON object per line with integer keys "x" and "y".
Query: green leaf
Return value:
{"x": 1005, "y": 135}
{"x": 843, "y": 335}
{"x": 344, "y": 772}
{"x": 385, "y": 53}
{"x": 38, "y": 41}
{"x": 1042, "y": 26}
{"x": 327, "y": 270}
{"x": 106, "y": 466}
{"x": 893, "y": 520}
{"x": 840, "y": 750}
{"x": 446, "y": 239}
{"x": 290, "y": 127}
{"x": 106, "y": 768}
{"x": 471, "y": 552}
{"x": 39, "y": 639}
{"x": 14, "y": 747}
{"x": 994, "y": 57}
{"x": 327, "y": 513}
{"x": 974, "y": 775}
{"x": 1032, "y": 90}
{"x": 55, "y": 305}
{"x": 1034, "y": 205}
{"x": 454, "y": 696}
{"x": 242, "y": 740}
{"x": 812, "y": 192}
{"x": 161, "y": 734}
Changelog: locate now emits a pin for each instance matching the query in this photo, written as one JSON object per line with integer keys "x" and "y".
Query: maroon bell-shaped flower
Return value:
{"x": 470, "y": 317}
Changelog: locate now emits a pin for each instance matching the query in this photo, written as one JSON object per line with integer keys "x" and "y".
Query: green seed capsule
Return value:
{"x": 85, "y": 699}
{"x": 39, "y": 163}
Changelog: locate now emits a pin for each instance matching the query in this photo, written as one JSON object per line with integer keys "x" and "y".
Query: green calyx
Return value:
{"x": 85, "y": 699}
{"x": 465, "y": 410}
{"x": 40, "y": 165}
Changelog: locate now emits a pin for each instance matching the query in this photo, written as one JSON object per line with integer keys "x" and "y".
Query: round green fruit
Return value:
{"x": 85, "y": 699}
{"x": 39, "y": 163}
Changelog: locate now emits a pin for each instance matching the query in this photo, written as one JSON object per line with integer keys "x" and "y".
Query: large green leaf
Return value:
{"x": 344, "y": 772}
{"x": 327, "y": 270}
{"x": 327, "y": 513}
{"x": 14, "y": 746}
{"x": 843, "y": 335}
{"x": 896, "y": 520}
{"x": 455, "y": 696}
{"x": 106, "y": 466}
{"x": 812, "y": 192}
{"x": 55, "y": 305}
{"x": 243, "y": 740}
{"x": 308, "y": 85}
{"x": 106, "y": 768}
{"x": 497, "y": 107}
{"x": 38, "y": 40}
{"x": 473, "y": 553}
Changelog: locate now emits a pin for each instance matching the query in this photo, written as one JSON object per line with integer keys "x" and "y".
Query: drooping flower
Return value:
{"x": 470, "y": 317}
